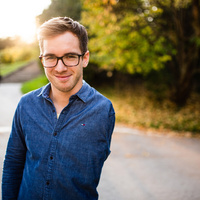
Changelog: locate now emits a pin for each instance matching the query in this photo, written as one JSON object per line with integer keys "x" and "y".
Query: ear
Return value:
{"x": 86, "y": 59}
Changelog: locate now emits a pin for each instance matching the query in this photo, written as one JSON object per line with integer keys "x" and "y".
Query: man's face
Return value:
{"x": 65, "y": 79}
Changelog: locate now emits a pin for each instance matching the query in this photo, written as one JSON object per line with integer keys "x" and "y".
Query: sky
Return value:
{"x": 17, "y": 17}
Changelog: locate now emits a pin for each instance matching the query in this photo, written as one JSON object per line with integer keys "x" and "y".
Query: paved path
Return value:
{"x": 140, "y": 167}
{"x": 29, "y": 71}
{"x": 9, "y": 97}
{"x": 143, "y": 167}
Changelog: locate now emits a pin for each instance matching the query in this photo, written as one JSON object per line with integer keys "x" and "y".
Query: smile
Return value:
{"x": 63, "y": 77}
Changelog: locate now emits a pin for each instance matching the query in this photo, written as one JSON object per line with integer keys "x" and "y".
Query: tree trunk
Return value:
{"x": 186, "y": 62}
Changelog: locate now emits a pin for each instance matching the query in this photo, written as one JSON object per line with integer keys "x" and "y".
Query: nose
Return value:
{"x": 60, "y": 67}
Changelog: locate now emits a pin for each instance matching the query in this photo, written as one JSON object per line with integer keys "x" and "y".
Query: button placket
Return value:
{"x": 52, "y": 152}
{"x": 50, "y": 165}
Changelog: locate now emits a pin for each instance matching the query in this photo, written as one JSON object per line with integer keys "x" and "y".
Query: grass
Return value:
{"x": 6, "y": 69}
{"x": 137, "y": 107}
{"x": 34, "y": 84}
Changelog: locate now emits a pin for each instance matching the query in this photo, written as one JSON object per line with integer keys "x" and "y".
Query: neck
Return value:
{"x": 60, "y": 99}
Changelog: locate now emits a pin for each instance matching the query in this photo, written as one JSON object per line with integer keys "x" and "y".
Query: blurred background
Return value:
{"x": 145, "y": 54}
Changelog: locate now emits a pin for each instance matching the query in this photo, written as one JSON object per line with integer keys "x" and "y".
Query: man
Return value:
{"x": 61, "y": 132}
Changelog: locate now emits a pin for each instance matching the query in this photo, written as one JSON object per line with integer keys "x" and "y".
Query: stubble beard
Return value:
{"x": 65, "y": 88}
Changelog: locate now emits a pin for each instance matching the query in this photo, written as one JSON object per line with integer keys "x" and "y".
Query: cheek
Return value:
{"x": 47, "y": 72}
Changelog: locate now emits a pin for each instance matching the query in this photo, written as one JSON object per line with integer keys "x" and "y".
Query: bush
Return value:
{"x": 17, "y": 53}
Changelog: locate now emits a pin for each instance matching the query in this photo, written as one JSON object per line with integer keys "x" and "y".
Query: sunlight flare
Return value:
{"x": 18, "y": 18}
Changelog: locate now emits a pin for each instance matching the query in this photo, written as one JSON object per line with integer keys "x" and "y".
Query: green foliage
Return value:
{"x": 142, "y": 36}
{"x": 116, "y": 43}
{"x": 17, "y": 53}
{"x": 61, "y": 8}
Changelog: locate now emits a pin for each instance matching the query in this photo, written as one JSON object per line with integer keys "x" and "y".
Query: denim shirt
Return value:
{"x": 57, "y": 159}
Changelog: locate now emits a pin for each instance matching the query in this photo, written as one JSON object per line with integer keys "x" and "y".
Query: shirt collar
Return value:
{"x": 82, "y": 94}
{"x": 45, "y": 91}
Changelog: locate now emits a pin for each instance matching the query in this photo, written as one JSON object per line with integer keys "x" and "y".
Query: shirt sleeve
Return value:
{"x": 14, "y": 161}
{"x": 111, "y": 125}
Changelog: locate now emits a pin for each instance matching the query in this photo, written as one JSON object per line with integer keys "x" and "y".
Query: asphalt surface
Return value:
{"x": 142, "y": 165}
{"x": 26, "y": 73}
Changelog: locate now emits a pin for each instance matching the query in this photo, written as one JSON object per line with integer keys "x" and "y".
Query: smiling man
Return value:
{"x": 61, "y": 133}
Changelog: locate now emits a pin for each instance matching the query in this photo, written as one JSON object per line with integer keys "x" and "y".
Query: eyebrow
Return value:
{"x": 51, "y": 54}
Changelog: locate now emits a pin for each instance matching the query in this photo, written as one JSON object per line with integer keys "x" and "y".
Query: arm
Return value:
{"x": 110, "y": 126}
{"x": 14, "y": 161}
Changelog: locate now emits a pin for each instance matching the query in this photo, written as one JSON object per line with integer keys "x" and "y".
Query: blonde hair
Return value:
{"x": 60, "y": 25}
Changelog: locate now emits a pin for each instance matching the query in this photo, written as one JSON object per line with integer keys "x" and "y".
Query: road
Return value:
{"x": 141, "y": 166}
{"x": 150, "y": 167}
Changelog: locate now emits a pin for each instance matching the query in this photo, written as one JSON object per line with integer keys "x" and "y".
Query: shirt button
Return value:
{"x": 51, "y": 157}
{"x": 47, "y": 183}
{"x": 55, "y": 134}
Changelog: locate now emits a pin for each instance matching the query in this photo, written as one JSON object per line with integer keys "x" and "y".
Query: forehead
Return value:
{"x": 62, "y": 44}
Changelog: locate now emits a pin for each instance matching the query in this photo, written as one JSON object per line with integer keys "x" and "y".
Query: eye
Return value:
{"x": 71, "y": 56}
{"x": 50, "y": 57}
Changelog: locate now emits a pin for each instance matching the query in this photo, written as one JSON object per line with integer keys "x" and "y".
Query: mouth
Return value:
{"x": 63, "y": 77}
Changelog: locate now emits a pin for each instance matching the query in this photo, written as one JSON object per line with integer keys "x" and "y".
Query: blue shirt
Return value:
{"x": 56, "y": 159}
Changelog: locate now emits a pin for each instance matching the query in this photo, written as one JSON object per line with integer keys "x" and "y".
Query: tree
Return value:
{"x": 69, "y": 8}
{"x": 144, "y": 35}
{"x": 183, "y": 33}
{"x": 117, "y": 43}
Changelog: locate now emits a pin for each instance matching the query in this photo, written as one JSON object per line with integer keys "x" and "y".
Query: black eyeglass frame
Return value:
{"x": 61, "y": 58}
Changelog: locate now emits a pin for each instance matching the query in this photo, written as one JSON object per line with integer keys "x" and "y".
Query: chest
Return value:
{"x": 80, "y": 134}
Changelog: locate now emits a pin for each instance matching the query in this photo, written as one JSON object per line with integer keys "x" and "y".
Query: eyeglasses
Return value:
{"x": 69, "y": 60}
